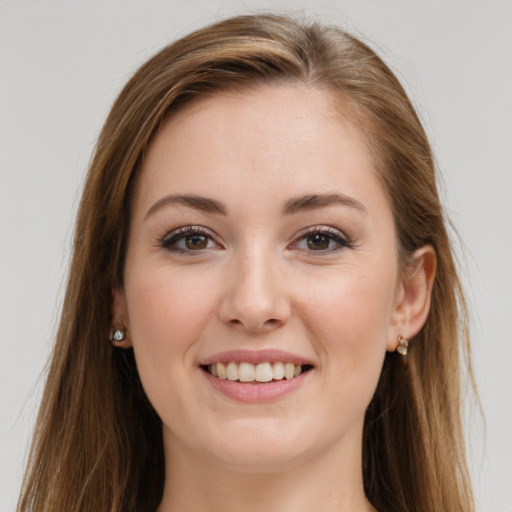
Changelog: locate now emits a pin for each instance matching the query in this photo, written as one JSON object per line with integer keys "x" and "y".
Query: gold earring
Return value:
{"x": 403, "y": 345}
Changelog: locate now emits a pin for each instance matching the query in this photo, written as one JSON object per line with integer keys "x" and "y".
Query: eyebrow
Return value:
{"x": 314, "y": 201}
{"x": 196, "y": 202}
{"x": 294, "y": 205}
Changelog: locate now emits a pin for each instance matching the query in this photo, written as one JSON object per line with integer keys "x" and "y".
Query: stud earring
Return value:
{"x": 403, "y": 345}
{"x": 117, "y": 336}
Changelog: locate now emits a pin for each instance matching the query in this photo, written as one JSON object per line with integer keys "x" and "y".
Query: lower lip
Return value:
{"x": 258, "y": 392}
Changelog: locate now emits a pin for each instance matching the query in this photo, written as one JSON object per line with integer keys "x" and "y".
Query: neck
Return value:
{"x": 331, "y": 482}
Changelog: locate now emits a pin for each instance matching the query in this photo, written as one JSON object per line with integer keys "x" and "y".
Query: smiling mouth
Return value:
{"x": 256, "y": 373}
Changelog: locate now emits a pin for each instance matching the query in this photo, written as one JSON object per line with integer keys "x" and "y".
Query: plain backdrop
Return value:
{"x": 62, "y": 64}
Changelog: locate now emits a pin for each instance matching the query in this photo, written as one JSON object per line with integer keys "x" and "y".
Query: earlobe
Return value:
{"x": 119, "y": 334}
{"x": 413, "y": 296}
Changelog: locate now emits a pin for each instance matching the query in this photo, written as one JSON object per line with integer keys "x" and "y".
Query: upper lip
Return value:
{"x": 254, "y": 357}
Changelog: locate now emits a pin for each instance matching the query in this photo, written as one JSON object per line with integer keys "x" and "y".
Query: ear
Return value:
{"x": 120, "y": 317}
{"x": 412, "y": 297}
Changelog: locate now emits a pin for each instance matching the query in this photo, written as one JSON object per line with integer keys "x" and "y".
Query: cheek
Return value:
{"x": 167, "y": 312}
{"x": 348, "y": 317}
{"x": 350, "y": 310}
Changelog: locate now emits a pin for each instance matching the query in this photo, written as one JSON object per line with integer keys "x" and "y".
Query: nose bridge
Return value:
{"x": 256, "y": 296}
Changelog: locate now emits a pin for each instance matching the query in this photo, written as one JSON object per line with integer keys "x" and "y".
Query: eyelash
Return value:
{"x": 170, "y": 240}
{"x": 332, "y": 234}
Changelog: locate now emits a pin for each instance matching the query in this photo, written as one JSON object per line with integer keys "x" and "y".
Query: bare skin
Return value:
{"x": 259, "y": 224}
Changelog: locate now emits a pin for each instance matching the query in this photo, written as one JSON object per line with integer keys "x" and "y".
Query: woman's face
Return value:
{"x": 261, "y": 242}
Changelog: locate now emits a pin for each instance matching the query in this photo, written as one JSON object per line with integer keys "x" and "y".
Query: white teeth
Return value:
{"x": 232, "y": 371}
{"x": 289, "y": 371}
{"x": 248, "y": 372}
{"x": 264, "y": 372}
{"x": 278, "y": 370}
{"x": 221, "y": 370}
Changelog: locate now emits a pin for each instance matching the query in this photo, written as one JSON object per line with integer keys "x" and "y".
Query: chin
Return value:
{"x": 261, "y": 448}
{"x": 260, "y": 460}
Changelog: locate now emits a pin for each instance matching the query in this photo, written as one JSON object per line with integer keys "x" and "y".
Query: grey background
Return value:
{"x": 62, "y": 64}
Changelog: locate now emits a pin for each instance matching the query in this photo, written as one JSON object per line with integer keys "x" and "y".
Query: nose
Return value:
{"x": 255, "y": 298}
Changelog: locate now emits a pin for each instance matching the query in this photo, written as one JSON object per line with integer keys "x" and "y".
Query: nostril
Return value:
{"x": 236, "y": 321}
{"x": 267, "y": 325}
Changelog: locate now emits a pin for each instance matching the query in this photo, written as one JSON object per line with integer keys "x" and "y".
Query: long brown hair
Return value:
{"x": 98, "y": 441}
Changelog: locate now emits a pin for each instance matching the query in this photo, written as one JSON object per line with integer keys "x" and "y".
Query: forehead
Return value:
{"x": 272, "y": 141}
{"x": 280, "y": 114}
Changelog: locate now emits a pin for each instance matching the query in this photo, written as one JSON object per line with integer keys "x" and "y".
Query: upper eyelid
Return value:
{"x": 183, "y": 231}
{"x": 301, "y": 234}
{"x": 189, "y": 229}
{"x": 321, "y": 229}
{"x": 344, "y": 241}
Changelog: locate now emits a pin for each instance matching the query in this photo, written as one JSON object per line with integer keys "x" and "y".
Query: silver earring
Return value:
{"x": 117, "y": 336}
{"x": 403, "y": 345}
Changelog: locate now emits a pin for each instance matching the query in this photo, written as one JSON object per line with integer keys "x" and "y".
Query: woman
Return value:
{"x": 262, "y": 309}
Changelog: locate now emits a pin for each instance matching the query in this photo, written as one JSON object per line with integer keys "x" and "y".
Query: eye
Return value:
{"x": 189, "y": 239}
{"x": 322, "y": 239}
